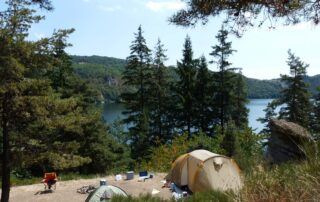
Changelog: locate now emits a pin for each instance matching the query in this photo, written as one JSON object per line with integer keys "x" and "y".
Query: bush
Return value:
{"x": 248, "y": 149}
{"x": 163, "y": 156}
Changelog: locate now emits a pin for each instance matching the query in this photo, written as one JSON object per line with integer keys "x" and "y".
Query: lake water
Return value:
{"x": 112, "y": 112}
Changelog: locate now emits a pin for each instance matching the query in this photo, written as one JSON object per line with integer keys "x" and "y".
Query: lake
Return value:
{"x": 112, "y": 112}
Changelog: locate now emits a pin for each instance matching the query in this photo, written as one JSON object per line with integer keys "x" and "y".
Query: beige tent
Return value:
{"x": 202, "y": 170}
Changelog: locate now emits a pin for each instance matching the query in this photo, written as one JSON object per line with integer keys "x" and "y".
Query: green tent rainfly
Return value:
{"x": 104, "y": 193}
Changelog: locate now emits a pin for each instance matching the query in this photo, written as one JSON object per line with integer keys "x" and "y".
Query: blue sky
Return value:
{"x": 106, "y": 27}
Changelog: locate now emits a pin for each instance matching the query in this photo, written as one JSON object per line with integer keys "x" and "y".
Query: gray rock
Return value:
{"x": 288, "y": 142}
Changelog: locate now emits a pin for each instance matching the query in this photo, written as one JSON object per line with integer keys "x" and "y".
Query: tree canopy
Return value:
{"x": 247, "y": 13}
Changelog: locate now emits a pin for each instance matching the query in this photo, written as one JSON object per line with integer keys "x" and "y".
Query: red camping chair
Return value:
{"x": 49, "y": 180}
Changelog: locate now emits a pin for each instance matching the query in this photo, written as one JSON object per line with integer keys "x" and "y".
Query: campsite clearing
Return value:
{"x": 67, "y": 190}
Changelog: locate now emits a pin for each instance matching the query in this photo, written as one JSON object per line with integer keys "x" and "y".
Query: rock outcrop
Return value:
{"x": 288, "y": 141}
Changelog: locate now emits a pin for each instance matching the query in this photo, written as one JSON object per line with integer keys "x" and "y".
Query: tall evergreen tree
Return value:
{"x": 229, "y": 139}
{"x": 224, "y": 79}
{"x": 185, "y": 88}
{"x": 203, "y": 98}
{"x": 269, "y": 114}
{"x": 138, "y": 74}
{"x": 295, "y": 96}
{"x": 240, "y": 113}
{"x": 316, "y": 115}
{"x": 40, "y": 127}
{"x": 63, "y": 65}
{"x": 18, "y": 90}
{"x": 14, "y": 87}
{"x": 160, "y": 96}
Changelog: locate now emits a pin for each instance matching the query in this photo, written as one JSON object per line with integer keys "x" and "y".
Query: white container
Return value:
{"x": 118, "y": 177}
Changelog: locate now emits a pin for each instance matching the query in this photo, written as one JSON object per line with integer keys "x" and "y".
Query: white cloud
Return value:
{"x": 165, "y": 5}
{"x": 109, "y": 8}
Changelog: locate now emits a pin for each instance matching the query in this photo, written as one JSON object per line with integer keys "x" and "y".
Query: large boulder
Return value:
{"x": 288, "y": 141}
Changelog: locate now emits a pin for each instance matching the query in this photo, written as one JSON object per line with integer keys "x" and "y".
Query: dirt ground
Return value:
{"x": 67, "y": 191}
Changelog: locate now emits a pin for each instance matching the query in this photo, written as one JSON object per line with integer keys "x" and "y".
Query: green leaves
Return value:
{"x": 241, "y": 15}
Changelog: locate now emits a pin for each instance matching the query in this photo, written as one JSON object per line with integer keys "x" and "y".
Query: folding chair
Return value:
{"x": 49, "y": 180}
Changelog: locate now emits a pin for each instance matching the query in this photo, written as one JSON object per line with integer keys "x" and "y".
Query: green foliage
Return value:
{"x": 162, "y": 157}
{"x": 263, "y": 89}
{"x": 235, "y": 16}
{"x": 159, "y": 101}
{"x": 224, "y": 99}
{"x": 184, "y": 89}
{"x": 138, "y": 74}
{"x": 240, "y": 113}
{"x": 48, "y": 116}
{"x": 23, "y": 84}
{"x": 203, "y": 94}
{"x": 249, "y": 149}
{"x": 269, "y": 114}
{"x": 103, "y": 74}
{"x": 295, "y": 96}
{"x": 228, "y": 143}
{"x": 315, "y": 122}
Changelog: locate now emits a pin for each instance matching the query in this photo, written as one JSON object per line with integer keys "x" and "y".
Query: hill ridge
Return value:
{"x": 104, "y": 73}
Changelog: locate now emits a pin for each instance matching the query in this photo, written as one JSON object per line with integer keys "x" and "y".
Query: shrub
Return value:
{"x": 163, "y": 156}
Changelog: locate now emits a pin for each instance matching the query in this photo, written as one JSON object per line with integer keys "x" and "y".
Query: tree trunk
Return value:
{"x": 5, "y": 156}
{"x": 5, "y": 168}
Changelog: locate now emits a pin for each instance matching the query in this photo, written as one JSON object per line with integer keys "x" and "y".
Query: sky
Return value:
{"x": 107, "y": 27}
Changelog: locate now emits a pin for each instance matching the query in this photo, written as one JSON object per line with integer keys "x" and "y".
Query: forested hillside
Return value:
{"x": 263, "y": 88}
{"x": 104, "y": 73}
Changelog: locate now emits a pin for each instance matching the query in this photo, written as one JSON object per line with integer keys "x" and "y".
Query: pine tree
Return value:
{"x": 316, "y": 115}
{"x": 203, "y": 98}
{"x": 224, "y": 79}
{"x": 295, "y": 96}
{"x": 159, "y": 101}
{"x": 17, "y": 90}
{"x": 240, "y": 113}
{"x": 41, "y": 128}
{"x": 138, "y": 74}
{"x": 228, "y": 143}
{"x": 185, "y": 89}
{"x": 269, "y": 114}
{"x": 62, "y": 65}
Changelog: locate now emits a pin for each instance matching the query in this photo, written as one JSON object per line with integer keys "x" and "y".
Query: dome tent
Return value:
{"x": 104, "y": 193}
{"x": 202, "y": 170}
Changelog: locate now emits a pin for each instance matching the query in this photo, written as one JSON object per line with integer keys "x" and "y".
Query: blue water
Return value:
{"x": 112, "y": 112}
{"x": 256, "y": 107}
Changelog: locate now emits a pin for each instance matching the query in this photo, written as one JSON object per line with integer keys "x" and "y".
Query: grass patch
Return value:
{"x": 288, "y": 182}
{"x": 213, "y": 196}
